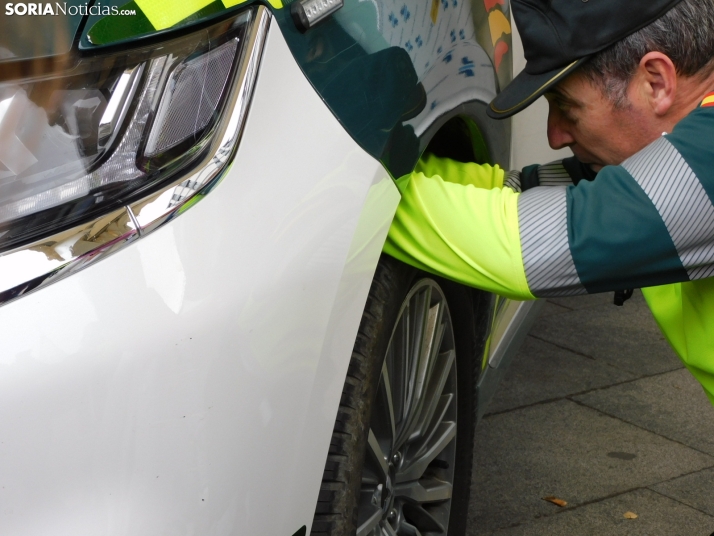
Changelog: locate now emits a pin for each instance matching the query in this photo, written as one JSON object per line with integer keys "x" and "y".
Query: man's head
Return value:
{"x": 625, "y": 96}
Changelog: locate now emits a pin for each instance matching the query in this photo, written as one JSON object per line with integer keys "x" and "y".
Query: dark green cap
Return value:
{"x": 560, "y": 35}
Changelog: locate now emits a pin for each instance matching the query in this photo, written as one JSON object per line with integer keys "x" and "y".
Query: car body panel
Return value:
{"x": 512, "y": 323}
{"x": 189, "y": 382}
{"x": 174, "y": 387}
{"x": 389, "y": 70}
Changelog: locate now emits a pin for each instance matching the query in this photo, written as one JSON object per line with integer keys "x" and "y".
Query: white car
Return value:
{"x": 199, "y": 335}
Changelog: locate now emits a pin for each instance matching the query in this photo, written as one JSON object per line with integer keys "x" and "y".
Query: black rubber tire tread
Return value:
{"x": 336, "y": 509}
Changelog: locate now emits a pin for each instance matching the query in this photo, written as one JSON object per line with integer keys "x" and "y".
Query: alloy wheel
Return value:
{"x": 409, "y": 461}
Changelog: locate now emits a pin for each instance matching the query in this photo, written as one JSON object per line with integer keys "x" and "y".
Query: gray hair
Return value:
{"x": 685, "y": 34}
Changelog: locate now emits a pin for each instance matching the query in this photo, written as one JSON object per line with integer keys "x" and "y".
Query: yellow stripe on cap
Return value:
{"x": 708, "y": 100}
{"x": 537, "y": 92}
{"x": 164, "y": 14}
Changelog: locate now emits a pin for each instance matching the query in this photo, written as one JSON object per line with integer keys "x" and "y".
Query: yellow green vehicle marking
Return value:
{"x": 156, "y": 15}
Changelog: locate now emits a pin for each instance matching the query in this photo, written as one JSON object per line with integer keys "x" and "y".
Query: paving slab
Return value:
{"x": 541, "y": 371}
{"x": 565, "y": 450}
{"x": 561, "y": 305}
{"x": 589, "y": 300}
{"x": 695, "y": 490}
{"x": 672, "y": 405}
{"x": 550, "y": 308}
{"x": 657, "y": 516}
{"x": 627, "y": 337}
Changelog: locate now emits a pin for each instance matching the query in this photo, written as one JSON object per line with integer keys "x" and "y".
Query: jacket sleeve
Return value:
{"x": 478, "y": 175}
{"x": 457, "y": 220}
{"x": 463, "y": 232}
{"x": 645, "y": 223}
{"x": 553, "y": 174}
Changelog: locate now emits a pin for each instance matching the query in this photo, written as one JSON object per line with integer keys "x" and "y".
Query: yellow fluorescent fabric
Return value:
{"x": 163, "y": 14}
{"x": 685, "y": 314}
{"x": 465, "y": 230}
{"x": 277, "y": 4}
{"x": 478, "y": 175}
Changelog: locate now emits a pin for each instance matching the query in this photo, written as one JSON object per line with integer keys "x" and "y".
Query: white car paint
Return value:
{"x": 188, "y": 384}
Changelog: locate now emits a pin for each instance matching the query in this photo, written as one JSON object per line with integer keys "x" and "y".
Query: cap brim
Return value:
{"x": 526, "y": 88}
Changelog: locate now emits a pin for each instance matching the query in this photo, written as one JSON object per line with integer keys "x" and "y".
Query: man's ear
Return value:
{"x": 656, "y": 79}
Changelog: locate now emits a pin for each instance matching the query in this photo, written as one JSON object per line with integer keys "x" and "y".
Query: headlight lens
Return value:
{"x": 110, "y": 129}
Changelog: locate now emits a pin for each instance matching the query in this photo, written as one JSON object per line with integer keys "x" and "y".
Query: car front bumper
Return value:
{"x": 188, "y": 384}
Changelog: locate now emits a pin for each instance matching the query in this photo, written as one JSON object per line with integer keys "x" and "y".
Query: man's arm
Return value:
{"x": 462, "y": 232}
{"x": 434, "y": 226}
{"x": 433, "y": 229}
{"x": 644, "y": 223}
{"x": 553, "y": 174}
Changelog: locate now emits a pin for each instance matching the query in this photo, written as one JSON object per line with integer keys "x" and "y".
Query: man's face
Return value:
{"x": 599, "y": 133}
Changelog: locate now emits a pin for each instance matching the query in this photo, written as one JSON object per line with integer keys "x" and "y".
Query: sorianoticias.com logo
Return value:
{"x": 48, "y": 8}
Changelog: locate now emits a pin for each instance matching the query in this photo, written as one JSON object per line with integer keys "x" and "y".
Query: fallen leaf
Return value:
{"x": 556, "y": 501}
{"x": 630, "y": 515}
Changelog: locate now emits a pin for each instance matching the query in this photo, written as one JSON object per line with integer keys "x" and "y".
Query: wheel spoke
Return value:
{"x": 377, "y": 454}
{"x": 432, "y": 333}
{"x": 366, "y": 528}
{"x": 419, "y": 320}
{"x": 432, "y": 343}
{"x": 423, "y": 519}
{"x": 445, "y": 432}
{"x": 387, "y": 529}
{"x": 424, "y": 491}
{"x": 442, "y": 408}
{"x": 432, "y": 328}
{"x": 433, "y": 394}
{"x": 410, "y": 530}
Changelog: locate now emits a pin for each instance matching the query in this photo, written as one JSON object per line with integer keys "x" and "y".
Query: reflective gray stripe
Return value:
{"x": 543, "y": 222}
{"x": 513, "y": 180}
{"x": 554, "y": 174}
{"x": 681, "y": 201}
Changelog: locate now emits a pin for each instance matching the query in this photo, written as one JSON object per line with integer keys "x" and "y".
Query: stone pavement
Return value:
{"x": 595, "y": 410}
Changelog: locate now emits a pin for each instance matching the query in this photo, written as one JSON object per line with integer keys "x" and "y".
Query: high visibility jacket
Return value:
{"x": 554, "y": 231}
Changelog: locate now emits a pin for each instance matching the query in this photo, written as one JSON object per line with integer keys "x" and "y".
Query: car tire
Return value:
{"x": 411, "y": 490}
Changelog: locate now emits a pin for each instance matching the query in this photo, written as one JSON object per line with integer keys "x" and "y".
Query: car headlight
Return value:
{"x": 105, "y": 148}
